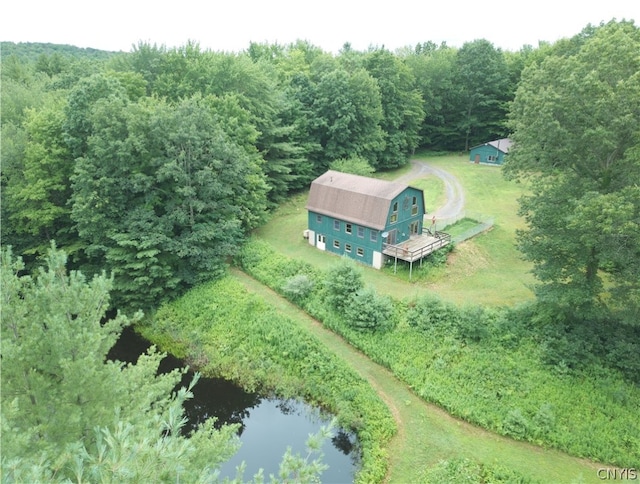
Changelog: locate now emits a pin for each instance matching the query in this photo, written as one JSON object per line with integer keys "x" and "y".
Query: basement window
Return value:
{"x": 347, "y": 247}
{"x": 360, "y": 251}
{"x": 336, "y": 244}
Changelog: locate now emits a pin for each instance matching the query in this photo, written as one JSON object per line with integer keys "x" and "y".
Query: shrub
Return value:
{"x": 544, "y": 420}
{"x": 430, "y": 312}
{"x": 298, "y": 287}
{"x": 368, "y": 310}
{"x": 355, "y": 165}
{"x": 343, "y": 280}
{"x": 440, "y": 257}
{"x": 473, "y": 324}
{"x": 516, "y": 424}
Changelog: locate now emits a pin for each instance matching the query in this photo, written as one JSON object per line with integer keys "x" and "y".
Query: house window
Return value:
{"x": 319, "y": 219}
{"x": 347, "y": 247}
{"x": 347, "y": 228}
{"x": 360, "y": 251}
{"x": 361, "y": 232}
{"x": 394, "y": 215}
{"x": 374, "y": 236}
{"x": 414, "y": 206}
{"x": 336, "y": 244}
{"x": 336, "y": 225}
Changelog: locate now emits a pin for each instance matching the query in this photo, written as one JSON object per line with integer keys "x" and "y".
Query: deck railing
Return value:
{"x": 404, "y": 253}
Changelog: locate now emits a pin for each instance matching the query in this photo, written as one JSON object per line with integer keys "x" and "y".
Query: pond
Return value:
{"x": 267, "y": 425}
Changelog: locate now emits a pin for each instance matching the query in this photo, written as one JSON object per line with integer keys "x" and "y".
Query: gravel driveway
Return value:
{"x": 453, "y": 189}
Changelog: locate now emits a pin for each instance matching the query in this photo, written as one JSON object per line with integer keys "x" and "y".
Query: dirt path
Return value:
{"x": 453, "y": 189}
{"x": 426, "y": 433}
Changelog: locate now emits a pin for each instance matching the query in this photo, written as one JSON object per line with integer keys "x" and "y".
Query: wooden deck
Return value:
{"x": 418, "y": 246}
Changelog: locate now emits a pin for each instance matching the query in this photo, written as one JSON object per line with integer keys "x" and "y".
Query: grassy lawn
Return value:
{"x": 433, "y": 189}
{"x": 486, "y": 270}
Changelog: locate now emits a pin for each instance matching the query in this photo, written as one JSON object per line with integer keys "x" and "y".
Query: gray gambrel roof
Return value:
{"x": 353, "y": 198}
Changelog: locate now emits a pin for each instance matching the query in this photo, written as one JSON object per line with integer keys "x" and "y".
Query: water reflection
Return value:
{"x": 266, "y": 426}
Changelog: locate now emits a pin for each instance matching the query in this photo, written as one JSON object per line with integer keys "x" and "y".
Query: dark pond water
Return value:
{"x": 267, "y": 425}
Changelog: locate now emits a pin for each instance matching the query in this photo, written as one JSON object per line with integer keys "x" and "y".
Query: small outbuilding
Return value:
{"x": 367, "y": 219}
{"x": 490, "y": 153}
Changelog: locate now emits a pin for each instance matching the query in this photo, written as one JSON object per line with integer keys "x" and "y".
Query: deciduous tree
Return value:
{"x": 484, "y": 91}
{"x": 38, "y": 187}
{"x": 163, "y": 196}
{"x": 435, "y": 71}
{"x": 347, "y": 111}
{"x": 401, "y": 107}
{"x": 576, "y": 123}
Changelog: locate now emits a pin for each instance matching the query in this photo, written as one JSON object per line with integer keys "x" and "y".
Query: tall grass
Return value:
{"x": 488, "y": 366}
{"x": 224, "y": 331}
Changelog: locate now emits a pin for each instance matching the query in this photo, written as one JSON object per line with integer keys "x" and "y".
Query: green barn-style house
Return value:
{"x": 369, "y": 219}
{"x": 490, "y": 153}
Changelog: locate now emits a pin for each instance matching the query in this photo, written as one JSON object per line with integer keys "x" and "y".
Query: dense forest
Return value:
{"x": 154, "y": 164}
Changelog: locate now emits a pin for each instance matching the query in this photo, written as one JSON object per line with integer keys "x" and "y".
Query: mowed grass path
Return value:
{"x": 427, "y": 434}
{"x": 487, "y": 269}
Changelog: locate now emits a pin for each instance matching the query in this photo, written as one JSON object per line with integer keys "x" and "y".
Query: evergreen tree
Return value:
{"x": 68, "y": 413}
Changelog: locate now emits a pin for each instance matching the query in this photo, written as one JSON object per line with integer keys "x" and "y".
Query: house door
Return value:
{"x": 321, "y": 242}
{"x": 477, "y": 160}
{"x": 414, "y": 227}
{"x": 391, "y": 238}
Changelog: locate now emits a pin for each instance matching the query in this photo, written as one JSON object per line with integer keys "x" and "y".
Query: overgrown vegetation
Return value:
{"x": 498, "y": 368}
{"x": 461, "y": 470}
{"x": 250, "y": 343}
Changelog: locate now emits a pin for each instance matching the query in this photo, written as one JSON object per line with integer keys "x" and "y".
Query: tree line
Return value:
{"x": 154, "y": 164}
